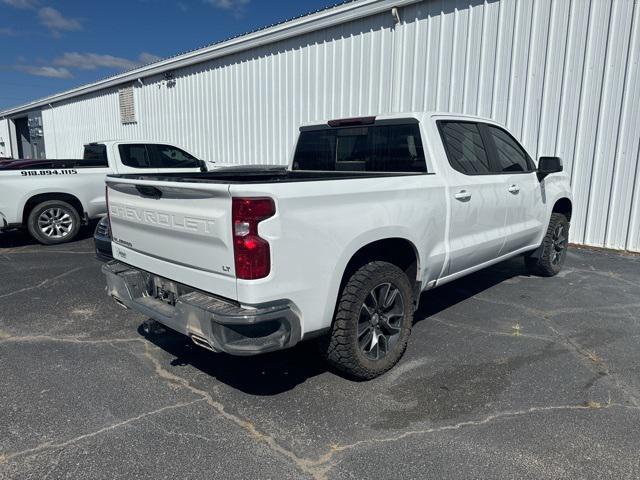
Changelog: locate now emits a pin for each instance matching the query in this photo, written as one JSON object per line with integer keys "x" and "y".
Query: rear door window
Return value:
{"x": 465, "y": 147}
{"x": 167, "y": 156}
{"x": 135, "y": 155}
{"x": 376, "y": 148}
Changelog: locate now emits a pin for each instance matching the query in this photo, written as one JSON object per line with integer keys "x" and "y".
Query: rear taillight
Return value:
{"x": 251, "y": 252}
{"x": 106, "y": 200}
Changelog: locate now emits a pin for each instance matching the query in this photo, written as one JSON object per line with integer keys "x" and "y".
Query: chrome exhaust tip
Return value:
{"x": 201, "y": 342}
{"x": 119, "y": 302}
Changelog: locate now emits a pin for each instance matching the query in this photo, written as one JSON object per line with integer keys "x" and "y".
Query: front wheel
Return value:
{"x": 548, "y": 260}
{"x": 372, "y": 322}
{"x": 53, "y": 222}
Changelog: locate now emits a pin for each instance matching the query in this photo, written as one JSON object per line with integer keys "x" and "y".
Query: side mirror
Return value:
{"x": 203, "y": 166}
{"x": 548, "y": 165}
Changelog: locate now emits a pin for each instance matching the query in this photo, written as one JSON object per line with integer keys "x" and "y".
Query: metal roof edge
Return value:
{"x": 308, "y": 23}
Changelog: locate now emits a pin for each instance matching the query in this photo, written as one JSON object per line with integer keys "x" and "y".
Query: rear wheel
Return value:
{"x": 549, "y": 258}
{"x": 372, "y": 322}
{"x": 53, "y": 222}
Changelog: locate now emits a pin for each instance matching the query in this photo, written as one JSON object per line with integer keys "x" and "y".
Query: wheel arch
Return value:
{"x": 563, "y": 205}
{"x": 395, "y": 250}
{"x": 35, "y": 200}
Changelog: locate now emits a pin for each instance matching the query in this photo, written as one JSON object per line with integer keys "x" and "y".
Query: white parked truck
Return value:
{"x": 52, "y": 198}
{"x": 370, "y": 212}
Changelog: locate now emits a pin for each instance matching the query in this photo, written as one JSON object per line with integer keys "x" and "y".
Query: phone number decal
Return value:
{"x": 31, "y": 173}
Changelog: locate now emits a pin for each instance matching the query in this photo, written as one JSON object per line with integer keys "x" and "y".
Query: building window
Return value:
{"x": 127, "y": 105}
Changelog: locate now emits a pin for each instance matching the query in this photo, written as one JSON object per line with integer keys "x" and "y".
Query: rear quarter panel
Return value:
{"x": 320, "y": 225}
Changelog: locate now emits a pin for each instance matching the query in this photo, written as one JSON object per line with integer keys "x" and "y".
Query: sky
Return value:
{"x": 48, "y": 46}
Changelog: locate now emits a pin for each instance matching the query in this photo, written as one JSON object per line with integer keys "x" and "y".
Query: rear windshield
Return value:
{"x": 96, "y": 155}
{"x": 375, "y": 148}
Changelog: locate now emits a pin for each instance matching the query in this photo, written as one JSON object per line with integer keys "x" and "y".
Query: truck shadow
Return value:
{"x": 263, "y": 375}
{"x": 435, "y": 301}
{"x": 21, "y": 238}
{"x": 278, "y": 372}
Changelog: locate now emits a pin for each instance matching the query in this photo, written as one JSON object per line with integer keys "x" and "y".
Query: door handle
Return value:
{"x": 463, "y": 195}
{"x": 514, "y": 189}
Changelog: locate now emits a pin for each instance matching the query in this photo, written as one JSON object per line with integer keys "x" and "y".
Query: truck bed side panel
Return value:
{"x": 18, "y": 186}
{"x": 319, "y": 226}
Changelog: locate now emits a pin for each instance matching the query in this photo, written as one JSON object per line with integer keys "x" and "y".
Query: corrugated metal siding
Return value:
{"x": 562, "y": 75}
{"x": 245, "y": 108}
{"x": 4, "y": 137}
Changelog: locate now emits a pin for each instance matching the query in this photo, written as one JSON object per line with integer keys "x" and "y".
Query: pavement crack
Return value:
{"x": 52, "y": 446}
{"x": 580, "y": 350}
{"x": 43, "y": 283}
{"x": 557, "y": 311}
{"x": 181, "y": 434}
{"x": 595, "y": 361}
{"x": 610, "y": 275}
{"x": 491, "y": 332}
{"x": 317, "y": 469}
{"x": 474, "y": 423}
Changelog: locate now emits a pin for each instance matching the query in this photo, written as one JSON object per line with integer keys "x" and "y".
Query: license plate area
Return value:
{"x": 165, "y": 290}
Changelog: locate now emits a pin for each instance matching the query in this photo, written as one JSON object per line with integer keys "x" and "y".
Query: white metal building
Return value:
{"x": 563, "y": 75}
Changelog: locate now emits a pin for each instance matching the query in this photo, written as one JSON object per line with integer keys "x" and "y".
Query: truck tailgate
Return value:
{"x": 152, "y": 231}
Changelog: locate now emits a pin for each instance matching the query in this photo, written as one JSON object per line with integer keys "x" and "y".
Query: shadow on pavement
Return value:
{"x": 278, "y": 372}
{"x": 21, "y": 238}
{"x": 264, "y": 375}
{"x": 434, "y": 301}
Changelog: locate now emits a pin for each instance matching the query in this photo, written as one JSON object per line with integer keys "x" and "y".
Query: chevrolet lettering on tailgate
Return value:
{"x": 163, "y": 219}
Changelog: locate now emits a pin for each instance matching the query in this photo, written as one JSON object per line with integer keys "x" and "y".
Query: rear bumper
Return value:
{"x": 212, "y": 322}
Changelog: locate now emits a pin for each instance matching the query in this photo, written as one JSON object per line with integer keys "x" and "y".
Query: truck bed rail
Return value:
{"x": 27, "y": 164}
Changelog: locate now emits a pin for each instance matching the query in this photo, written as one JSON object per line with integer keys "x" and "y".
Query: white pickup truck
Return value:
{"x": 52, "y": 198}
{"x": 370, "y": 212}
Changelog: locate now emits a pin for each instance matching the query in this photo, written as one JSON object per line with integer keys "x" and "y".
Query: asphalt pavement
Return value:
{"x": 505, "y": 376}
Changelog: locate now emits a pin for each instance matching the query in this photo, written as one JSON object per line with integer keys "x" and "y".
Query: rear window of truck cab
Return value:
{"x": 372, "y": 148}
{"x": 95, "y": 154}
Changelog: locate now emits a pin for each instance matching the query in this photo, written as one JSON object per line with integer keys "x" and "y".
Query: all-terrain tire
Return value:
{"x": 548, "y": 260}
{"x": 342, "y": 347}
{"x": 53, "y": 222}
